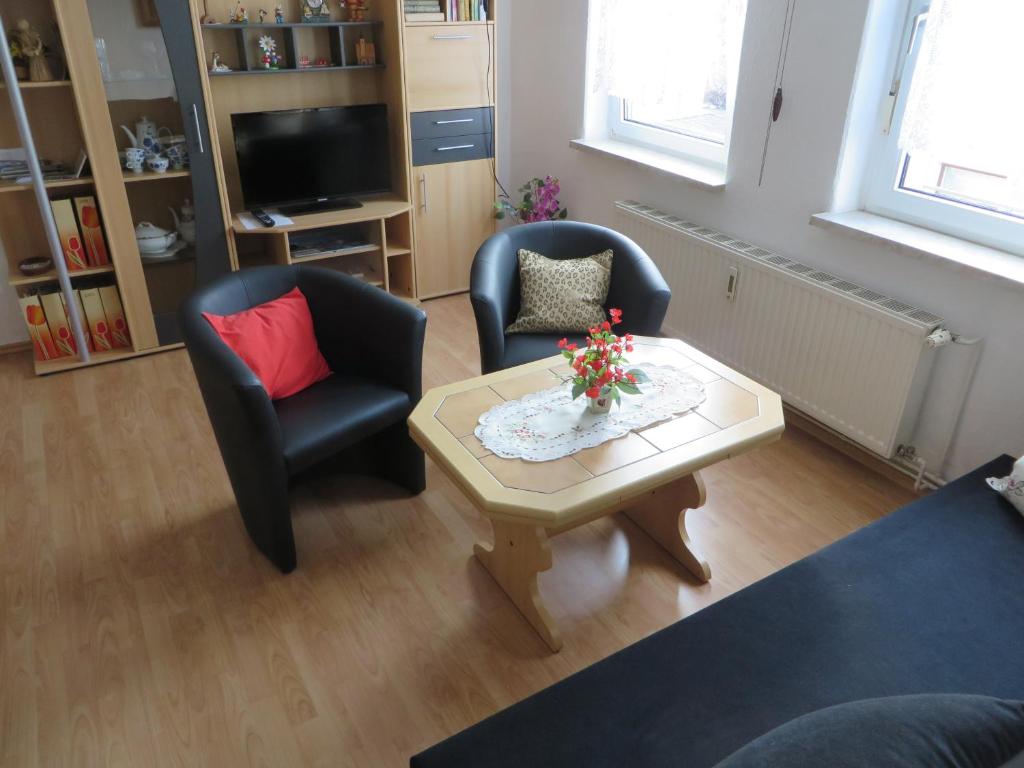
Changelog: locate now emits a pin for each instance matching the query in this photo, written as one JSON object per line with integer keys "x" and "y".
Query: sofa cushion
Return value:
{"x": 561, "y": 295}
{"x": 926, "y": 600}
{"x": 334, "y": 414}
{"x": 922, "y": 731}
{"x": 276, "y": 340}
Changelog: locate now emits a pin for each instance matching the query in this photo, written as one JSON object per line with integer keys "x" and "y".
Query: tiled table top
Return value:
{"x": 737, "y": 415}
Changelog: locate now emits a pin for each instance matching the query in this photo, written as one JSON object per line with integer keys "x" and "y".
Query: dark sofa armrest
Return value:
{"x": 637, "y": 288}
{"x": 492, "y": 287}
{"x": 240, "y": 410}
{"x": 365, "y": 330}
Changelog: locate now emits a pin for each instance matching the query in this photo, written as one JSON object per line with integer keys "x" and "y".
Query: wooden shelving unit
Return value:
{"x": 18, "y": 279}
{"x": 30, "y": 86}
{"x": 135, "y": 178}
{"x": 10, "y": 186}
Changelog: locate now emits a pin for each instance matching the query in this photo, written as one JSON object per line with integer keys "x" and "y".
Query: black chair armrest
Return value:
{"x": 637, "y": 288}
{"x": 240, "y": 410}
{"x": 493, "y": 292}
{"x": 363, "y": 329}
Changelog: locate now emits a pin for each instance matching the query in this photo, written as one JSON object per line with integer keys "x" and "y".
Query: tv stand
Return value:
{"x": 320, "y": 206}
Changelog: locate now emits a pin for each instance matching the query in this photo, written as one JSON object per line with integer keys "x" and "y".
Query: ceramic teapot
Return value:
{"x": 144, "y": 129}
{"x": 153, "y": 239}
{"x": 186, "y": 223}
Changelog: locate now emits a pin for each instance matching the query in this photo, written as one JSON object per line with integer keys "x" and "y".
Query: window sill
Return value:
{"x": 704, "y": 176}
{"x": 926, "y": 243}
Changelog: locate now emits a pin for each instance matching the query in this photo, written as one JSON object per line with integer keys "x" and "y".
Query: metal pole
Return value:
{"x": 42, "y": 199}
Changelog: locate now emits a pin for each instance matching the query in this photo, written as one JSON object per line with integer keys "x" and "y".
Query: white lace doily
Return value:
{"x": 549, "y": 425}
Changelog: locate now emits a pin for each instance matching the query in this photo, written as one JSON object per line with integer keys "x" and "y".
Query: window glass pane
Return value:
{"x": 963, "y": 180}
{"x": 963, "y": 122}
{"x": 698, "y": 99}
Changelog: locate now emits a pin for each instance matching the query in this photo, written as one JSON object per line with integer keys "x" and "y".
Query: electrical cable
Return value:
{"x": 780, "y": 73}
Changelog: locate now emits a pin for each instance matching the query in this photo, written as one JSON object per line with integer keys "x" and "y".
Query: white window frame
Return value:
{"x": 882, "y": 194}
{"x": 664, "y": 140}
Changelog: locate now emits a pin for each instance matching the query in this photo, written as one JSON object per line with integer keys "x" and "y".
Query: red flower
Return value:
{"x": 563, "y": 343}
{"x": 596, "y": 364}
{"x": 594, "y": 392}
{"x": 631, "y": 377}
{"x": 629, "y": 337}
{"x": 629, "y": 347}
{"x": 572, "y": 347}
{"x": 616, "y": 315}
{"x": 606, "y": 326}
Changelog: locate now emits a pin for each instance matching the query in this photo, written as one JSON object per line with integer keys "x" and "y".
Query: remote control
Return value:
{"x": 263, "y": 217}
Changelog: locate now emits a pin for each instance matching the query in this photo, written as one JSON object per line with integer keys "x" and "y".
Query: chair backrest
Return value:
{"x": 560, "y": 240}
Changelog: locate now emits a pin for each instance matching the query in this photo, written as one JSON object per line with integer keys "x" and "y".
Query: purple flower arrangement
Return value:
{"x": 539, "y": 203}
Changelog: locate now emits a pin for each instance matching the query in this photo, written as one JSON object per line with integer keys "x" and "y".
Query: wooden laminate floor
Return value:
{"x": 139, "y": 627}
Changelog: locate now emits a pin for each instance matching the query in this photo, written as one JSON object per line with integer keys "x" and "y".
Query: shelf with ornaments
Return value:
{"x": 271, "y": 48}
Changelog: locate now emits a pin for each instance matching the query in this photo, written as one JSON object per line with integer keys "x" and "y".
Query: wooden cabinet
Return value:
{"x": 454, "y": 215}
{"x": 448, "y": 66}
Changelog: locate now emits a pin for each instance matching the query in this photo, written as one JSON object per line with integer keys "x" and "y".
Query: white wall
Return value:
{"x": 545, "y": 106}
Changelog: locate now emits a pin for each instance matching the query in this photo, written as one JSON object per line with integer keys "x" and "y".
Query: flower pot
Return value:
{"x": 599, "y": 404}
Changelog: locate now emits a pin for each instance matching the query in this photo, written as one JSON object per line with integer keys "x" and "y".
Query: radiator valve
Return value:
{"x": 939, "y": 338}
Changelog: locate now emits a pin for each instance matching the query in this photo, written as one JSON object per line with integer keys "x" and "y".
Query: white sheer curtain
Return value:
{"x": 661, "y": 53}
{"x": 966, "y": 104}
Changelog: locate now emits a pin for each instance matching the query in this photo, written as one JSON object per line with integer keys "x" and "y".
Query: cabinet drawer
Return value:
{"x": 452, "y": 149}
{"x": 451, "y": 122}
{"x": 447, "y": 66}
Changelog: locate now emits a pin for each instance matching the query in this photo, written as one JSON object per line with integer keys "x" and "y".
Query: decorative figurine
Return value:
{"x": 206, "y": 18}
{"x": 355, "y": 10}
{"x": 241, "y": 15}
{"x": 304, "y": 62}
{"x": 279, "y": 14}
{"x": 314, "y": 11}
{"x": 218, "y": 65}
{"x": 32, "y": 49}
{"x": 263, "y": 16}
{"x": 269, "y": 47}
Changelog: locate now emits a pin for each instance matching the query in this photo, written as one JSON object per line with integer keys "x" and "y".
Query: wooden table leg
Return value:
{"x": 662, "y": 514}
{"x": 519, "y": 553}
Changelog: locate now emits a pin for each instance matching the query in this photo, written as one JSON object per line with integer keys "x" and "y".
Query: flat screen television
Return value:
{"x": 304, "y": 160}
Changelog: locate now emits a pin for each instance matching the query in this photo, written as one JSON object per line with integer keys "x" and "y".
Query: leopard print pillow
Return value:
{"x": 561, "y": 295}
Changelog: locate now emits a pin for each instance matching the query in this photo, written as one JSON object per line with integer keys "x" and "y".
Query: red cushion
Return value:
{"x": 277, "y": 342}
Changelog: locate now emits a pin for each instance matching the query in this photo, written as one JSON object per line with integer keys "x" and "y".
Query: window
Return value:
{"x": 668, "y": 70}
{"x": 951, "y": 157}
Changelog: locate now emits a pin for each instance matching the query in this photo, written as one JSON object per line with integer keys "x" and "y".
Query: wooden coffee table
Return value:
{"x": 651, "y": 475}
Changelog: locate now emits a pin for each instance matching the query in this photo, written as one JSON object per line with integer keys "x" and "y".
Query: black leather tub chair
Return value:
{"x": 374, "y": 344}
{"x": 637, "y": 287}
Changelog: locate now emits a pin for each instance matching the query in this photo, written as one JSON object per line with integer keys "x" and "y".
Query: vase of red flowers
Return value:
{"x": 599, "y": 369}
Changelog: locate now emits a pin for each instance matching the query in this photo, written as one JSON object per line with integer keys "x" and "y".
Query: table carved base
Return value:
{"x": 520, "y": 552}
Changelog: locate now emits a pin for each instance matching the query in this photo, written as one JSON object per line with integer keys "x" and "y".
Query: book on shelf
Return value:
{"x": 114, "y": 313}
{"x": 92, "y": 231}
{"x": 418, "y": 16}
{"x": 81, "y": 313}
{"x": 38, "y": 330}
{"x": 70, "y": 237}
{"x": 60, "y": 325}
{"x": 96, "y": 319}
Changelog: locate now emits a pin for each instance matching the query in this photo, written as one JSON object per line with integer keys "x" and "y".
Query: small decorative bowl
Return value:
{"x": 35, "y": 265}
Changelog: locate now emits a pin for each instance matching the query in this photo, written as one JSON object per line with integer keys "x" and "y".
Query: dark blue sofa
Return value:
{"x": 929, "y": 599}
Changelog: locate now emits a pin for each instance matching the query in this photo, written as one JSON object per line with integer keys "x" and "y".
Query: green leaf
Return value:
{"x": 564, "y": 213}
{"x": 578, "y": 389}
{"x": 614, "y": 395}
{"x": 629, "y": 389}
{"x": 639, "y": 374}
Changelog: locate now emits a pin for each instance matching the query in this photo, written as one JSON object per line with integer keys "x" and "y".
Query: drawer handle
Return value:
{"x": 459, "y": 146}
{"x": 452, "y": 122}
{"x": 453, "y": 37}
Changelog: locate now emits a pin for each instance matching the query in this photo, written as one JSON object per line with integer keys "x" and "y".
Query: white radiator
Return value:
{"x": 850, "y": 357}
